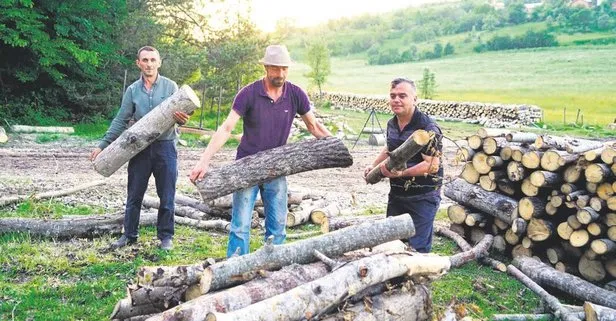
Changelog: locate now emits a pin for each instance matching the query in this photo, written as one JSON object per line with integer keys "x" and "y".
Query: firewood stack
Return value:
{"x": 317, "y": 278}
{"x": 496, "y": 115}
{"x": 541, "y": 196}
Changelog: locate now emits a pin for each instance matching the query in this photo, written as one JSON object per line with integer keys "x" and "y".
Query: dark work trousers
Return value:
{"x": 160, "y": 159}
{"x": 422, "y": 209}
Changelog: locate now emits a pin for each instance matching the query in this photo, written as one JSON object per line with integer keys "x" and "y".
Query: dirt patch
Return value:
{"x": 29, "y": 167}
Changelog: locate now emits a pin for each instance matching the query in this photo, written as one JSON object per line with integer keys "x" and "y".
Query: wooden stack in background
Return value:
{"x": 548, "y": 197}
{"x": 499, "y": 115}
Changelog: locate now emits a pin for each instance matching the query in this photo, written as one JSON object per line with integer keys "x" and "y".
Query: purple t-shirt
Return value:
{"x": 267, "y": 123}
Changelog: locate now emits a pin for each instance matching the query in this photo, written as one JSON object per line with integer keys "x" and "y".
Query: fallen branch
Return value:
{"x": 203, "y": 207}
{"x": 461, "y": 242}
{"x": 42, "y": 129}
{"x": 45, "y": 195}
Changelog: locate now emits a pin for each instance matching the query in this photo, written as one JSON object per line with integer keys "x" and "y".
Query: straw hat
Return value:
{"x": 276, "y": 55}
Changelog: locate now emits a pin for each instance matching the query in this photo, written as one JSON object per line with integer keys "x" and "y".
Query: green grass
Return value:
{"x": 46, "y": 138}
{"x": 82, "y": 279}
{"x": 553, "y": 78}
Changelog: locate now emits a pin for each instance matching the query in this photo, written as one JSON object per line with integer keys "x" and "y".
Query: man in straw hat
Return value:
{"x": 267, "y": 107}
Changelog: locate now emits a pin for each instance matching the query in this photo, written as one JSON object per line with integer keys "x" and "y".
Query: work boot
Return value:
{"x": 166, "y": 244}
{"x": 122, "y": 242}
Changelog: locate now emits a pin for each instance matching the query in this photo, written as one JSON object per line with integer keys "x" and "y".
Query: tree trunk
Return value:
{"x": 608, "y": 155}
{"x": 493, "y": 145}
{"x": 340, "y": 222}
{"x": 552, "y": 160}
{"x": 397, "y": 159}
{"x": 76, "y": 227}
{"x": 414, "y": 304}
{"x": 516, "y": 171}
{"x": 276, "y": 162}
{"x": 185, "y": 211}
{"x": 497, "y": 205}
{"x": 529, "y": 207}
{"x": 572, "y": 285}
{"x": 578, "y": 146}
{"x": 203, "y": 207}
{"x": 45, "y": 195}
{"x": 527, "y": 138}
{"x": 539, "y": 230}
{"x": 597, "y": 173}
{"x": 596, "y": 312}
{"x": 457, "y": 213}
{"x": 470, "y": 174}
{"x": 145, "y": 131}
{"x": 313, "y": 298}
{"x": 42, "y": 129}
{"x": 532, "y": 159}
{"x": 301, "y": 215}
{"x": 591, "y": 269}
{"x": 545, "y": 179}
{"x": 246, "y": 294}
{"x": 552, "y": 302}
{"x": 461, "y": 242}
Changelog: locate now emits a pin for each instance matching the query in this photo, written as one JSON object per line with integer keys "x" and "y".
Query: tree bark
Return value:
{"x": 331, "y": 244}
{"x": 78, "y": 227}
{"x": 45, "y": 195}
{"x": 526, "y": 138}
{"x": 339, "y": 222}
{"x": 246, "y": 294}
{"x": 276, "y": 162}
{"x": 462, "y": 244}
{"x": 203, "y": 207}
{"x": 312, "y": 298}
{"x": 553, "y": 303}
{"x": 397, "y": 159}
{"x": 414, "y": 304}
{"x": 572, "y": 285}
{"x": 597, "y": 173}
{"x": 145, "y": 131}
{"x": 596, "y": 312}
{"x": 497, "y": 205}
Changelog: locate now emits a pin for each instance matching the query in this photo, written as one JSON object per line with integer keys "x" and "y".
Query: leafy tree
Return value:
{"x": 438, "y": 50}
{"x": 516, "y": 13}
{"x": 318, "y": 60}
{"x": 490, "y": 22}
{"x": 427, "y": 84}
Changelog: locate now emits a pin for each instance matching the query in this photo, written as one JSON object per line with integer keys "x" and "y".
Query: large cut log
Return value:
{"x": 42, "y": 129}
{"x": 276, "y": 162}
{"x": 596, "y": 312}
{"x": 339, "y": 222}
{"x": 221, "y": 275}
{"x": 570, "y": 284}
{"x": 521, "y": 137}
{"x": 397, "y": 159}
{"x": 470, "y": 174}
{"x": 145, "y": 131}
{"x": 597, "y": 173}
{"x": 45, "y": 195}
{"x": 246, "y": 294}
{"x": 78, "y": 227}
{"x": 312, "y": 299}
{"x": 412, "y": 304}
{"x": 557, "y": 308}
{"x": 495, "y": 204}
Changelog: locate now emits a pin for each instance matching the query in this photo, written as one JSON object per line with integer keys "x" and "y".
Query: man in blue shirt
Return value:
{"x": 268, "y": 107}
{"x": 415, "y": 190}
{"x": 160, "y": 158}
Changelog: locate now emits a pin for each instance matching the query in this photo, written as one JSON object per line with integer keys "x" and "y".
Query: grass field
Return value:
{"x": 555, "y": 79}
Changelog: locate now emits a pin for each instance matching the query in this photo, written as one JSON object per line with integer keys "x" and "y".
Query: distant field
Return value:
{"x": 581, "y": 77}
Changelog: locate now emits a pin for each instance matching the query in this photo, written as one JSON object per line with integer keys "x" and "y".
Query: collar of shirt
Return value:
{"x": 262, "y": 92}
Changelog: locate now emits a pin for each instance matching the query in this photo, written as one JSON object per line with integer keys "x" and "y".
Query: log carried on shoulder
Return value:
{"x": 397, "y": 159}
{"x": 145, "y": 131}
{"x": 285, "y": 160}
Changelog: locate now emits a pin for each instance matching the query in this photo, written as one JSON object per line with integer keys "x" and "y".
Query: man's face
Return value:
{"x": 276, "y": 75}
{"x": 402, "y": 99}
{"x": 149, "y": 62}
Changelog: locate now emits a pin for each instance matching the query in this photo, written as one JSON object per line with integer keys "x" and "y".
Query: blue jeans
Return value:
{"x": 274, "y": 196}
{"x": 160, "y": 159}
{"x": 422, "y": 209}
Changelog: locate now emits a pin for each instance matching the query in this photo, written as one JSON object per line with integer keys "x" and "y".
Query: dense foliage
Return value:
{"x": 66, "y": 61}
{"x": 529, "y": 40}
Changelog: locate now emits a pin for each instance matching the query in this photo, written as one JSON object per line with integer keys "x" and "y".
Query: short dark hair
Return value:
{"x": 400, "y": 80}
{"x": 146, "y": 48}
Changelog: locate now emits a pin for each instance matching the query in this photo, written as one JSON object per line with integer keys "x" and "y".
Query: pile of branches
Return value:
{"x": 548, "y": 197}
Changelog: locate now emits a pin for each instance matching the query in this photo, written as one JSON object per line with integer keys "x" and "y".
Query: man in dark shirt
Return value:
{"x": 415, "y": 190}
{"x": 268, "y": 107}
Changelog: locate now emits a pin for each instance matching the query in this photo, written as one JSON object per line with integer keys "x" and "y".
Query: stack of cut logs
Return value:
{"x": 357, "y": 273}
{"x": 542, "y": 196}
{"x": 496, "y": 114}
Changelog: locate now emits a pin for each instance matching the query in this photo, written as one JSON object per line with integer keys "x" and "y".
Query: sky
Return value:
{"x": 265, "y": 13}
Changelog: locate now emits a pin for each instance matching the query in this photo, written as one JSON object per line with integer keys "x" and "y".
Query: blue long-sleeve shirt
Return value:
{"x": 136, "y": 103}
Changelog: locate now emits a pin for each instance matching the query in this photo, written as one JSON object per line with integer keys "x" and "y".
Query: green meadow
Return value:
{"x": 560, "y": 80}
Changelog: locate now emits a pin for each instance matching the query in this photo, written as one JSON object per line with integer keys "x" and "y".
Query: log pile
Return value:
{"x": 548, "y": 197}
{"x": 330, "y": 277}
{"x": 487, "y": 114}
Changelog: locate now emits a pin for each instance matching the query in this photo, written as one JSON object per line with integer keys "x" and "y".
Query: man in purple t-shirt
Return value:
{"x": 267, "y": 107}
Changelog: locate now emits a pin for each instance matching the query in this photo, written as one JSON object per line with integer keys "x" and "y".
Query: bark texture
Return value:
{"x": 145, "y": 131}
{"x": 494, "y": 204}
{"x": 285, "y": 160}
